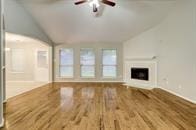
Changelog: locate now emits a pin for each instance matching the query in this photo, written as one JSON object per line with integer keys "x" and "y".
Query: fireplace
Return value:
{"x": 140, "y": 73}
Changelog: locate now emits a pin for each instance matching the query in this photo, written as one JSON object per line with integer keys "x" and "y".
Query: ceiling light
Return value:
{"x": 94, "y": 2}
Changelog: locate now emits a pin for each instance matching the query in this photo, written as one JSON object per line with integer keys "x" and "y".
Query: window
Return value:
{"x": 109, "y": 61}
{"x": 87, "y": 62}
{"x": 66, "y": 62}
{"x": 17, "y": 60}
{"x": 42, "y": 59}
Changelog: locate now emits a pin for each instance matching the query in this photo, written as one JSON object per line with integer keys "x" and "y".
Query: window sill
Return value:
{"x": 109, "y": 77}
{"x": 67, "y": 77}
{"x": 87, "y": 77}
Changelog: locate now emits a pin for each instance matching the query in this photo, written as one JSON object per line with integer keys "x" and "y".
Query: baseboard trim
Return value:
{"x": 38, "y": 86}
{"x": 88, "y": 81}
{"x": 5, "y": 101}
{"x": 148, "y": 87}
{"x": 176, "y": 94}
{"x": 2, "y": 123}
{"x": 29, "y": 81}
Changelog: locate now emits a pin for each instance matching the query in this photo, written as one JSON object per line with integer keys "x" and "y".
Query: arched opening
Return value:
{"x": 28, "y": 64}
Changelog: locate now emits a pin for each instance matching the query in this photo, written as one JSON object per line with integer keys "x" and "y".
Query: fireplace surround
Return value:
{"x": 140, "y": 73}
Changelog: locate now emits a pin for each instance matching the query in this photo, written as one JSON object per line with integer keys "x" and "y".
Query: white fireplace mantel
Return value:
{"x": 149, "y": 63}
{"x": 153, "y": 57}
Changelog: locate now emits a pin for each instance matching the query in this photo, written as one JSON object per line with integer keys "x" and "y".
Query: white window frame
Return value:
{"x": 66, "y": 65}
{"x": 23, "y": 62}
{"x": 88, "y": 65}
{"x": 47, "y": 59}
{"x": 116, "y": 66}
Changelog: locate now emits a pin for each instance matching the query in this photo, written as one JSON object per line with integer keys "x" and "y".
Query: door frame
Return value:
{"x": 2, "y": 62}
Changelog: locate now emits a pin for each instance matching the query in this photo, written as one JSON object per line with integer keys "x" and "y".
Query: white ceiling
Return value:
{"x": 64, "y": 22}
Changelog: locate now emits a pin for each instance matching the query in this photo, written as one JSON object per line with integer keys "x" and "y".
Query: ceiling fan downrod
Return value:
{"x": 95, "y": 3}
{"x": 95, "y": 9}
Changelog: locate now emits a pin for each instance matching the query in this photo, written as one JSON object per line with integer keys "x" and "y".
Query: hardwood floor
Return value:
{"x": 98, "y": 106}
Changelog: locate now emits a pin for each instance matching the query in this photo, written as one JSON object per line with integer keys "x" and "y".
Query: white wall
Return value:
{"x": 173, "y": 42}
{"x": 143, "y": 45}
{"x": 30, "y": 47}
{"x": 19, "y": 21}
{"x": 32, "y": 75}
{"x": 1, "y": 65}
{"x": 98, "y": 51}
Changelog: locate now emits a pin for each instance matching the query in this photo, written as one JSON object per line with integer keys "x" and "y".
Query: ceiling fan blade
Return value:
{"x": 80, "y": 2}
{"x": 110, "y": 3}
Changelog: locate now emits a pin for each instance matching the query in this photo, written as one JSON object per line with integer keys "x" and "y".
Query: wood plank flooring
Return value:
{"x": 98, "y": 106}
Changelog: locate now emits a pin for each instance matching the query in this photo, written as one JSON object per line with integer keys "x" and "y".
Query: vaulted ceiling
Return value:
{"x": 65, "y": 22}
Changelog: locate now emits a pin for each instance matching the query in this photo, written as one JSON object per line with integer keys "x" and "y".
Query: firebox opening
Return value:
{"x": 140, "y": 73}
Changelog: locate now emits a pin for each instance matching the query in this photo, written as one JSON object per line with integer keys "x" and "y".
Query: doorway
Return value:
{"x": 28, "y": 64}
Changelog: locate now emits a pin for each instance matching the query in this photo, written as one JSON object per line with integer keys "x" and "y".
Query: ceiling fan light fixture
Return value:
{"x": 94, "y": 3}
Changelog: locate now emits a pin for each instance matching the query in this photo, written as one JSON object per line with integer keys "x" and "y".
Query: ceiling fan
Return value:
{"x": 95, "y": 3}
